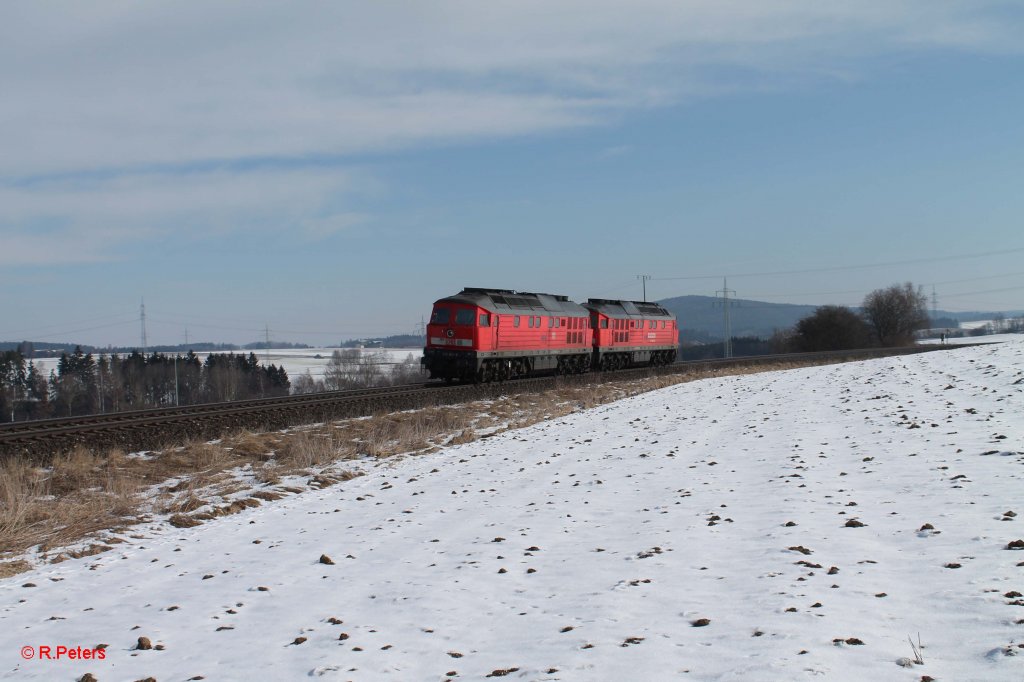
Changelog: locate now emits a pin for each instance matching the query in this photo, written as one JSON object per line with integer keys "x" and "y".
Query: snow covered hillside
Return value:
{"x": 773, "y": 526}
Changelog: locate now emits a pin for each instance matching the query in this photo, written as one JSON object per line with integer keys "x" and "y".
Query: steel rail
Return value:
{"x": 156, "y": 428}
{"x": 195, "y": 409}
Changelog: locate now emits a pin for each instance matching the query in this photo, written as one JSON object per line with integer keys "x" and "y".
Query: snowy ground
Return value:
{"x": 964, "y": 340}
{"x": 591, "y": 548}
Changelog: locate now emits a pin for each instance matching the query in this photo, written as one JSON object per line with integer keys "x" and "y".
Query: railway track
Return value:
{"x": 156, "y": 428}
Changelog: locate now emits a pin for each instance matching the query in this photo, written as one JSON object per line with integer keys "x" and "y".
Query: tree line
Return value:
{"x": 888, "y": 317}
{"x": 85, "y": 384}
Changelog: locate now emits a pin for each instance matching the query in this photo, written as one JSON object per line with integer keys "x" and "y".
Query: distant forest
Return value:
{"x": 41, "y": 349}
{"x": 84, "y": 383}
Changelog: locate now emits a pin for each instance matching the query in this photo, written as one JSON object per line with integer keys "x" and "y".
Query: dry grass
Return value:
{"x": 81, "y": 494}
{"x": 9, "y": 568}
{"x": 84, "y": 494}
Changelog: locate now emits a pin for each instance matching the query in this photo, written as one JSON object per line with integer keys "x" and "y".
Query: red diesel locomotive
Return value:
{"x": 496, "y": 334}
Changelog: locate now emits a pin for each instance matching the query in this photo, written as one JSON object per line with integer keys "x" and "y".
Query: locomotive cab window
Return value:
{"x": 440, "y": 316}
{"x": 485, "y": 320}
{"x": 515, "y": 321}
{"x": 464, "y": 317}
{"x": 604, "y": 323}
{"x": 551, "y": 323}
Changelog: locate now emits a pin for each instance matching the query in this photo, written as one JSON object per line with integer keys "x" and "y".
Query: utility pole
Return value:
{"x": 644, "y": 278}
{"x": 725, "y": 291}
{"x": 142, "y": 321}
{"x": 177, "y": 401}
{"x": 935, "y": 305}
{"x": 266, "y": 354}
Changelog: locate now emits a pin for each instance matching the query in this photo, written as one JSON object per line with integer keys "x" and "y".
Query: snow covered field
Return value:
{"x": 962, "y": 340}
{"x": 297, "y": 360}
{"x": 776, "y": 526}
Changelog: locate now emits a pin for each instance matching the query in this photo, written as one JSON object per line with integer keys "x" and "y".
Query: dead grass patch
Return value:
{"x": 183, "y": 521}
{"x": 308, "y": 448}
{"x": 9, "y": 568}
{"x": 253, "y": 446}
{"x": 80, "y": 494}
{"x": 267, "y": 495}
{"x": 228, "y": 509}
{"x": 91, "y": 550}
{"x": 466, "y": 436}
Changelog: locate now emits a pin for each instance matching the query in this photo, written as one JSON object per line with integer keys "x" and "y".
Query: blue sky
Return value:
{"x": 329, "y": 169}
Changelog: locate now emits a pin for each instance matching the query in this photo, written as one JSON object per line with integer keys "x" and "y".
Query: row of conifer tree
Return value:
{"x": 83, "y": 383}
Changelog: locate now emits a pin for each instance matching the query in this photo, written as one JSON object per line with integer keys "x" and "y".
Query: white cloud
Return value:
{"x": 96, "y": 219}
{"x": 127, "y": 87}
{"x": 111, "y": 84}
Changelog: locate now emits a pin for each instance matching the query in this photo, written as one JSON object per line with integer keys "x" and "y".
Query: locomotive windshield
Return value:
{"x": 464, "y": 317}
{"x": 440, "y": 316}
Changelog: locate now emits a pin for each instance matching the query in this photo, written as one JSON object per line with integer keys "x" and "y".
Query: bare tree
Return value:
{"x": 895, "y": 313}
{"x": 406, "y": 372}
{"x": 342, "y": 370}
{"x": 305, "y": 383}
{"x": 372, "y": 368}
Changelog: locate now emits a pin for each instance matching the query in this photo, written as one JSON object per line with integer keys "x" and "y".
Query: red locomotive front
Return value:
{"x": 497, "y": 334}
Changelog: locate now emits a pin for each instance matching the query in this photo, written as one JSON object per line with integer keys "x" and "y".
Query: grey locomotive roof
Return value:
{"x": 521, "y": 302}
{"x": 625, "y": 309}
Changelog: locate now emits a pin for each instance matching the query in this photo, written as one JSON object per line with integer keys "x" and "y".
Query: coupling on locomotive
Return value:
{"x": 481, "y": 335}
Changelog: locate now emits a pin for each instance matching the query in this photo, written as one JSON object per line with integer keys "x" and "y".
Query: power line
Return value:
{"x": 142, "y": 319}
{"x": 836, "y": 268}
{"x": 987, "y": 291}
{"x": 979, "y": 279}
{"x": 35, "y": 331}
{"x": 37, "y": 337}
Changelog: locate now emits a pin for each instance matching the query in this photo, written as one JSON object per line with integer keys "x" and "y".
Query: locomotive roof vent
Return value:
{"x": 632, "y": 308}
{"x": 651, "y": 309}
{"x": 557, "y": 297}
{"x": 484, "y": 290}
{"x": 513, "y": 301}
